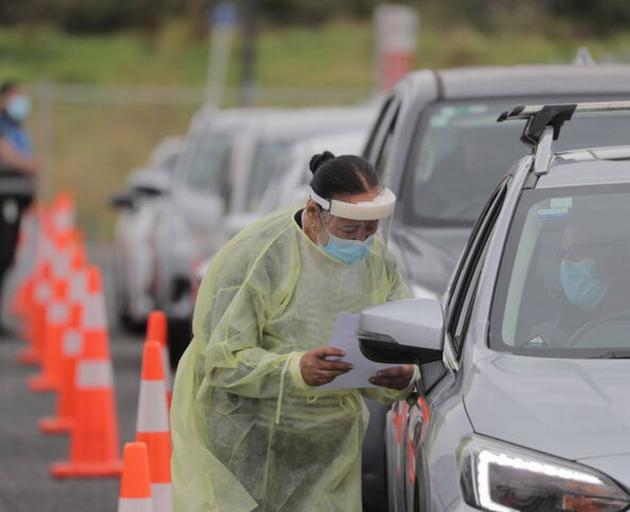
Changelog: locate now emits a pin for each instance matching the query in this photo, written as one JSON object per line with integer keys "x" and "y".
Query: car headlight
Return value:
{"x": 501, "y": 477}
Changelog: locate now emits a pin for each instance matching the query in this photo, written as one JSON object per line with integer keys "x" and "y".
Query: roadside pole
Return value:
{"x": 45, "y": 116}
{"x": 222, "y": 20}
{"x": 396, "y": 39}
{"x": 249, "y": 52}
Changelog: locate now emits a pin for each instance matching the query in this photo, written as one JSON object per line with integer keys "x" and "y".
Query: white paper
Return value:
{"x": 344, "y": 337}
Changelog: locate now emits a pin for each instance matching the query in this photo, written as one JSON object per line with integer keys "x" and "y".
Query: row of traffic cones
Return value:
{"x": 61, "y": 310}
{"x": 60, "y": 307}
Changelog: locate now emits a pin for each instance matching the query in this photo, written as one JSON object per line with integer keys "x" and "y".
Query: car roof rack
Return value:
{"x": 544, "y": 123}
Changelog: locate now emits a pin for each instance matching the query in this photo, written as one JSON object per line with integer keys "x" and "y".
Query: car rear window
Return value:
{"x": 461, "y": 152}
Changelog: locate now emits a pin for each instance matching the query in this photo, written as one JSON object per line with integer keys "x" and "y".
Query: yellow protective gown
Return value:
{"x": 248, "y": 432}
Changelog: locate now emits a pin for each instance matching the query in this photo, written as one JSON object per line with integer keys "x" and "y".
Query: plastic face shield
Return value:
{"x": 351, "y": 222}
{"x": 381, "y": 207}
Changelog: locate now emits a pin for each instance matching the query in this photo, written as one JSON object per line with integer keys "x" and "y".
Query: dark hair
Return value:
{"x": 345, "y": 174}
{"x": 8, "y": 86}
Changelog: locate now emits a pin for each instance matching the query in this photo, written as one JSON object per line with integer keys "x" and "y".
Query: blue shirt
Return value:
{"x": 16, "y": 134}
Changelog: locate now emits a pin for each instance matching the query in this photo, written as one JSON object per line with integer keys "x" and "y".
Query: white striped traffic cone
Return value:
{"x": 153, "y": 426}
{"x": 157, "y": 331}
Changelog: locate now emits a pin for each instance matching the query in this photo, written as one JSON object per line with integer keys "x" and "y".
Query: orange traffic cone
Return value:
{"x": 56, "y": 323}
{"x": 153, "y": 427}
{"x": 41, "y": 296}
{"x": 94, "y": 450}
{"x": 135, "y": 492}
{"x": 157, "y": 331}
{"x": 72, "y": 344}
{"x": 27, "y": 356}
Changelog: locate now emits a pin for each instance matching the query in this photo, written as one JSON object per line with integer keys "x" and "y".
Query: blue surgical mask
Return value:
{"x": 19, "y": 107}
{"x": 581, "y": 286}
{"x": 348, "y": 251}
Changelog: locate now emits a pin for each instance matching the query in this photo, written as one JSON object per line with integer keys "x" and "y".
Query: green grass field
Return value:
{"x": 94, "y": 144}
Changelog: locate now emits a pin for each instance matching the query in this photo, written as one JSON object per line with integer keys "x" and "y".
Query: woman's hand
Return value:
{"x": 317, "y": 370}
{"x": 397, "y": 377}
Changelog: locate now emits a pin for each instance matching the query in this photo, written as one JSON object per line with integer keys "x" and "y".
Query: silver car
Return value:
{"x": 436, "y": 142}
{"x": 437, "y": 145}
{"x": 133, "y": 256}
{"x": 289, "y": 184}
{"x": 525, "y": 371}
{"x": 263, "y": 149}
{"x": 191, "y": 215}
{"x": 228, "y": 161}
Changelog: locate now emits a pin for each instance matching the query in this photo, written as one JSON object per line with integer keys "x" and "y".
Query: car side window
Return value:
{"x": 378, "y": 147}
{"x": 385, "y": 151}
{"x": 464, "y": 286}
{"x": 368, "y": 150}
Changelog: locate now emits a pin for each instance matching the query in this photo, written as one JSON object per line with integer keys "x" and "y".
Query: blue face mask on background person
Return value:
{"x": 347, "y": 251}
{"x": 19, "y": 107}
{"x": 581, "y": 286}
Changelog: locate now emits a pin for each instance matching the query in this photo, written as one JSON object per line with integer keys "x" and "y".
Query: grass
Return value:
{"x": 94, "y": 144}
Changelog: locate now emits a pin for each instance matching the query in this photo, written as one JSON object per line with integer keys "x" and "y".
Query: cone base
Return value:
{"x": 42, "y": 384}
{"x": 86, "y": 470}
{"x": 28, "y": 357}
{"x": 55, "y": 425}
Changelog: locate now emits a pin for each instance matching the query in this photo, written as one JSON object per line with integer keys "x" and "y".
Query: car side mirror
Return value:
{"x": 403, "y": 332}
{"x": 121, "y": 201}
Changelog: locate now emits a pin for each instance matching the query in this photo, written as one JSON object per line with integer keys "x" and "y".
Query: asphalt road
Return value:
{"x": 26, "y": 454}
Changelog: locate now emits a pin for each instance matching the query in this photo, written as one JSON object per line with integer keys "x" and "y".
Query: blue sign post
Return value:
{"x": 222, "y": 19}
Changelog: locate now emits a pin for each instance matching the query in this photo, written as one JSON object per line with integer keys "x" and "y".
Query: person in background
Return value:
{"x": 18, "y": 169}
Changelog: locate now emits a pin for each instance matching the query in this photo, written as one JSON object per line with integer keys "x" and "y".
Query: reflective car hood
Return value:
{"x": 569, "y": 408}
{"x": 427, "y": 256}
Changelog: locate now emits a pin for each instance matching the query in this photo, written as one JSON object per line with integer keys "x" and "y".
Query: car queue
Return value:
{"x": 436, "y": 143}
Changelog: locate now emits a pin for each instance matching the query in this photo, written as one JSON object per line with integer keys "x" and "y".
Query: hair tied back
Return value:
{"x": 319, "y": 159}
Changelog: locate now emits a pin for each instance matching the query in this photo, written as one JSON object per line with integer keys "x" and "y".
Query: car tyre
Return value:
{"x": 179, "y": 336}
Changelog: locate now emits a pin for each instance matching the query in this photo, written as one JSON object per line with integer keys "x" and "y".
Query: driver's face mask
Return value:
{"x": 580, "y": 284}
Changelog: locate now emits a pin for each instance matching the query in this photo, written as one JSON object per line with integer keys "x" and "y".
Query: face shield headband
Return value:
{"x": 381, "y": 207}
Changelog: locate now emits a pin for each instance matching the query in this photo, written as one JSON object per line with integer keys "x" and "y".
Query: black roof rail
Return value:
{"x": 539, "y": 117}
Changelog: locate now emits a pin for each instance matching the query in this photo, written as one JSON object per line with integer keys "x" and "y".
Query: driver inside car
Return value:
{"x": 592, "y": 279}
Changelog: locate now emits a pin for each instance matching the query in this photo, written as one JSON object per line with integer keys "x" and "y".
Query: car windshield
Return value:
{"x": 462, "y": 152}
{"x": 209, "y": 165}
{"x": 167, "y": 165}
{"x": 268, "y": 157}
{"x": 564, "y": 287}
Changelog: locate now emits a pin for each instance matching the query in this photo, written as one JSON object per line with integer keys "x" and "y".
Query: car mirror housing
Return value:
{"x": 122, "y": 201}
{"x": 403, "y": 332}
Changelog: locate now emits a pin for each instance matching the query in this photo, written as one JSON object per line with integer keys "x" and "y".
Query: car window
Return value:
{"x": 376, "y": 128}
{"x": 464, "y": 286}
{"x": 563, "y": 287}
{"x": 384, "y": 153}
{"x": 269, "y": 156}
{"x": 209, "y": 166}
{"x": 168, "y": 164}
{"x": 460, "y": 152}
